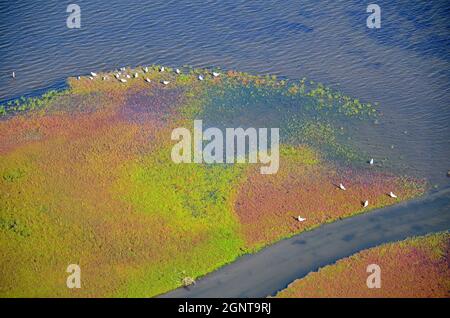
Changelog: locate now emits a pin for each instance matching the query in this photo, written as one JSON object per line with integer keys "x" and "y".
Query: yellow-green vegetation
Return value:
{"x": 195, "y": 202}
{"x": 28, "y": 104}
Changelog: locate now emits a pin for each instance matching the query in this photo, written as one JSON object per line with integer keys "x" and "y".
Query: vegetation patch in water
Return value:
{"x": 86, "y": 178}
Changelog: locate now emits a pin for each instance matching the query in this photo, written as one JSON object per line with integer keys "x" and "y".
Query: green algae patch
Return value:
{"x": 196, "y": 204}
{"x": 323, "y": 137}
{"x": 327, "y": 99}
{"x": 23, "y": 104}
{"x": 297, "y": 156}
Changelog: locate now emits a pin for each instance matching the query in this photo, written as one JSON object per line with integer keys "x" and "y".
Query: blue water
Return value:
{"x": 404, "y": 66}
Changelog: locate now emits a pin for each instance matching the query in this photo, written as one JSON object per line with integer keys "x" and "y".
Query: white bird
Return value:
{"x": 123, "y": 80}
{"x": 215, "y": 74}
{"x": 366, "y": 204}
{"x": 162, "y": 69}
{"x": 104, "y": 78}
{"x": 341, "y": 186}
{"x": 93, "y": 74}
{"x": 300, "y": 219}
{"x": 91, "y": 78}
{"x": 146, "y": 69}
{"x": 177, "y": 71}
{"x": 371, "y": 161}
{"x": 13, "y": 74}
{"x": 117, "y": 76}
{"x": 136, "y": 75}
{"x": 147, "y": 80}
{"x": 78, "y": 78}
{"x": 392, "y": 195}
{"x": 165, "y": 82}
{"x": 122, "y": 68}
{"x": 128, "y": 76}
{"x": 200, "y": 78}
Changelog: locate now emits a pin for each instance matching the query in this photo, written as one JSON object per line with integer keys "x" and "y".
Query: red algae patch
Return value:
{"x": 154, "y": 106}
{"x": 268, "y": 206}
{"x": 416, "y": 267}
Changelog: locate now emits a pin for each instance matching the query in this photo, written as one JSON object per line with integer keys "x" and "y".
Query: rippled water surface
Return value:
{"x": 404, "y": 66}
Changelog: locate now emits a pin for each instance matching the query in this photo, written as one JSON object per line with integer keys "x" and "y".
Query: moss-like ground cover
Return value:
{"x": 86, "y": 178}
{"x": 415, "y": 267}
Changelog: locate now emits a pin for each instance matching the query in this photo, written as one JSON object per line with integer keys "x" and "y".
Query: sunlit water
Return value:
{"x": 404, "y": 66}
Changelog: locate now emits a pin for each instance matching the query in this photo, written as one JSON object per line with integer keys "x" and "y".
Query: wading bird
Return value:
{"x": 13, "y": 74}
{"x": 341, "y": 186}
{"x": 147, "y": 80}
{"x": 366, "y": 204}
{"x": 200, "y": 78}
{"x": 162, "y": 69}
{"x": 123, "y": 80}
{"x": 146, "y": 69}
{"x": 93, "y": 74}
{"x": 392, "y": 195}
{"x": 215, "y": 74}
{"x": 177, "y": 71}
{"x": 136, "y": 75}
{"x": 165, "y": 82}
{"x": 371, "y": 161}
{"x": 300, "y": 219}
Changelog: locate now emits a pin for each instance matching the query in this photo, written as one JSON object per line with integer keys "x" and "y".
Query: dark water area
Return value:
{"x": 404, "y": 66}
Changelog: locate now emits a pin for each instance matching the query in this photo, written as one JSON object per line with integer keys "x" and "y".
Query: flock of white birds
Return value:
{"x": 122, "y": 76}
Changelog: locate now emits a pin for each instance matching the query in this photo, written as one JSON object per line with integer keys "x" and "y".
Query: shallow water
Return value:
{"x": 404, "y": 65}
